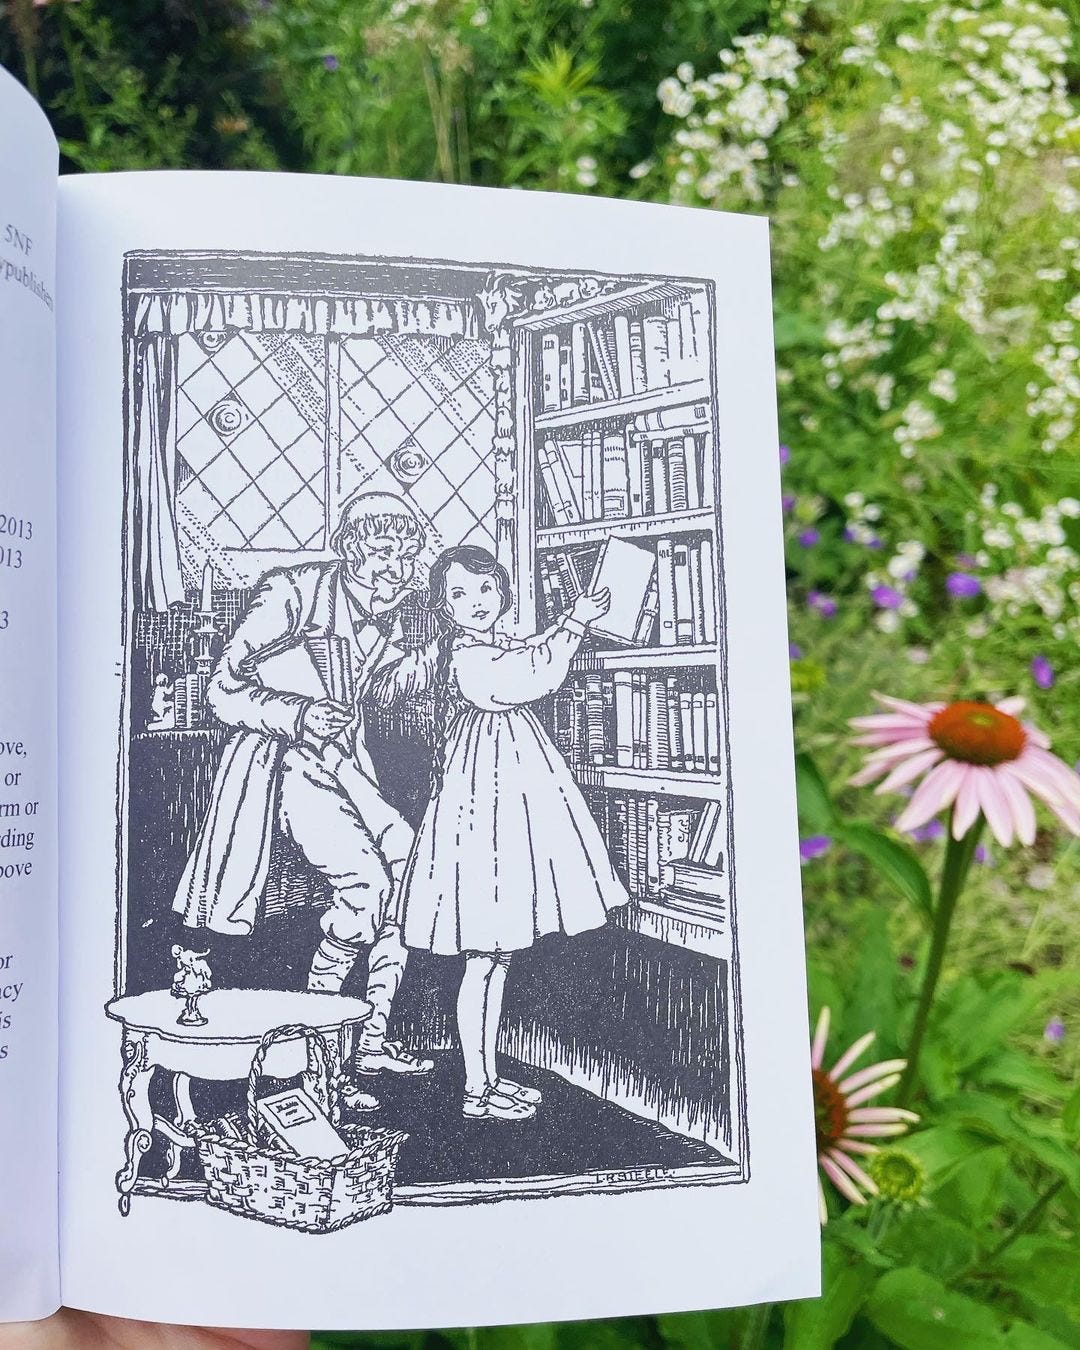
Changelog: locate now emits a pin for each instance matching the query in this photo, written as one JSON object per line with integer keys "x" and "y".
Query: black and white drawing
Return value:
{"x": 426, "y": 884}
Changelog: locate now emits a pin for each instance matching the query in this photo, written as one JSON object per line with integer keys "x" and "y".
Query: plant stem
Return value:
{"x": 1026, "y": 1221}
{"x": 755, "y": 1326}
{"x": 958, "y": 856}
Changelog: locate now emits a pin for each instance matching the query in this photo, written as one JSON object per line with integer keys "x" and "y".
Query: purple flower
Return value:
{"x": 1054, "y": 1031}
{"x": 982, "y": 854}
{"x": 963, "y": 585}
{"x": 848, "y": 537}
{"x": 809, "y": 538}
{"x": 966, "y": 560}
{"x": 331, "y": 62}
{"x": 885, "y": 597}
{"x": 873, "y": 542}
{"x": 1042, "y": 672}
{"x": 794, "y": 651}
{"x": 787, "y": 501}
{"x": 785, "y": 455}
{"x": 814, "y": 846}
{"x": 824, "y": 604}
{"x": 923, "y": 834}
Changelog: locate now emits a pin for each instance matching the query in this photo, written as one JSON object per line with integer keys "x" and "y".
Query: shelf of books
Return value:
{"x": 618, "y": 456}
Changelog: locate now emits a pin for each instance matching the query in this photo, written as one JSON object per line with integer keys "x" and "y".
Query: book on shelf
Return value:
{"x": 162, "y": 337}
{"x": 653, "y": 845}
{"x": 634, "y": 719}
{"x": 686, "y": 598}
{"x": 628, "y": 572}
{"x": 613, "y": 474}
{"x": 605, "y": 360}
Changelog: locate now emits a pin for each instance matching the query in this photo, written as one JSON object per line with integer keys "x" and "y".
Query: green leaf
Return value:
{"x": 817, "y": 1324}
{"x": 816, "y": 810}
{"x": 925, "y": 1237}
{"x": 972, "y": 1192}
{"x": 919, "y": 1313}
{"x": 1070, "y": 1116}
{"x": 539, "y": 1336}
{"x": 1043, "y": 1270}
{"x": 893, "y": 861}
{"x": 1023, "y": 1336}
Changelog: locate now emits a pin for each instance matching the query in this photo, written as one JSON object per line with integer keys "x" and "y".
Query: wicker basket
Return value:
{"x": 249, "y": 1173}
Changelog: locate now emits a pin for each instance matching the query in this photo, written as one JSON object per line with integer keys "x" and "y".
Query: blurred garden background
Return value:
{"x": 920, "y": 163}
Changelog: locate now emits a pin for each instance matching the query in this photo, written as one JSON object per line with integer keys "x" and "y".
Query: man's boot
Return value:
{"x": 330, "y": 965}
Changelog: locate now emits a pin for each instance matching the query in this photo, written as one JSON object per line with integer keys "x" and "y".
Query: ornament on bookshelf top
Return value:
{"x": 505, "y": 295}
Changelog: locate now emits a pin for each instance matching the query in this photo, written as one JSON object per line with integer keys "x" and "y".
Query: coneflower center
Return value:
{"x": 830, "y": 1111}
{"x": 977, "y": 733}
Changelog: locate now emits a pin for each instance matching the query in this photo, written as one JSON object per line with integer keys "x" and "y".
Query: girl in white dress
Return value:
{"x": 507, "y": 850}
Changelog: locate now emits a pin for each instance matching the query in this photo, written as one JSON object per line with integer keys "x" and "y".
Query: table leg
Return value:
{"x": 184, "y": 1116}
{"x": 135, "y": 1099}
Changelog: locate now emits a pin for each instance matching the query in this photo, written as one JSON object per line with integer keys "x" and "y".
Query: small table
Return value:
{"x": 220, "y": 1051}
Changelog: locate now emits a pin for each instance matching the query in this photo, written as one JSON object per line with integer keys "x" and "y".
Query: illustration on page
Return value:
{"x": 425, "y": 887}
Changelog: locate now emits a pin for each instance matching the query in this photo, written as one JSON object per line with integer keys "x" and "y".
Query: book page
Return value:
{"x": 429, "y": 957}
{"x": 29, "y": 1272}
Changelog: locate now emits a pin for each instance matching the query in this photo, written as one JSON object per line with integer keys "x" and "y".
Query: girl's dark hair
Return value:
{"x": 480, "y": 563}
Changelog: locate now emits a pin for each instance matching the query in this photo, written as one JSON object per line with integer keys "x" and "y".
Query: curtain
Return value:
{"x": 155, "y": 549}
{"x": 174, "y": 312}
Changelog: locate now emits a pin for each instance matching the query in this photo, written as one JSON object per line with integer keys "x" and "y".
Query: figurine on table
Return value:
{"x": 191, "y": 981}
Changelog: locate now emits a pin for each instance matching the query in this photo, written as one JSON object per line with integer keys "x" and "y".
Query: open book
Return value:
{"x": 381, "y": 943}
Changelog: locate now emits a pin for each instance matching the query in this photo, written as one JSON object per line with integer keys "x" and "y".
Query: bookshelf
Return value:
{"x": 616, "y": 439}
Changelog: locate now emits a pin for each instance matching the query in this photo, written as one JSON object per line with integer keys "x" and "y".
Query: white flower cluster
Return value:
{"x": 917, "y": 423}
{"x": 861, "y": 520}
{"x": 730, "y": 115}
{"x": 1031, "y": 567}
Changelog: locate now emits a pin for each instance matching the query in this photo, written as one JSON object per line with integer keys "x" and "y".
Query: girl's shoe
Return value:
{"x": 491, "y": 1105}
{"x": 518, "y": 1092}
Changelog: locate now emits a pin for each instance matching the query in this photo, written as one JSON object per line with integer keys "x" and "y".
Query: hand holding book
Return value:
{"x": 588, "y": 608}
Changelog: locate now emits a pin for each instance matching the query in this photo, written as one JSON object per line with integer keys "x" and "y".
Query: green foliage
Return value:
{"x": 921, "y": 167}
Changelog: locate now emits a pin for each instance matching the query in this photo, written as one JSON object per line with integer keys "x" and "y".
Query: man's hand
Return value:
{"x": 324, "y": 719}
{"x": 588, "y": 608}
{"x": 87, "y": 1331}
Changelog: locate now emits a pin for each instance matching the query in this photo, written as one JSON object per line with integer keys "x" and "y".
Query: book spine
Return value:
{"x": 655, "y": 346}
{"x": 687, "y": 726}
{"x": 549, "y": 372}
{"x": 703, "y": 833}
{"x": 624, "y": 365}
{"x": 637, "y": 357}
{"x": 566, "y": 376}
{"x": 674, "y": 721}
{"x": 676, "y": 476}
{"x": 624, "y": 719}
{"x": 578, "y": 732}
{"x": 675, "y": 361}
{"x": 697, "y": 602}
{"x": 633, "y": 848}
{"x": 658, "y": 479}
{"x": 579, "y": 365}
{"x": 607, "y": 689}
{"x": 562, "y": 732}
{"x": 564, "y": 477}
{"x": 714, "y": 853}
{"x": 688, "y": 350}
{"x": 619, "y": 842}
{"x": 594, "y": 718}
{"x": 652, "y": 848}
{"x": 684, "y": 622}
{"x": 674, "y": 419}
{"x": 641, "y": 723}
{"x": 643, "y": 635}
{"x": 665, "y": 580}
{"x": 561, "y": 503}
{"x": 635, "y": 453}
{"x": 657, "y": 751}
{"x": 699, "y": 306}
{"x": 616, "y": 477}
{"x": 712, "y": 732}
{"x": 708, "y": 591}
{"x": 698, "y": 715}
{"x": 601, "y": 362}
{"x": 694, "y": 497}
{"x": 589, "y": 468}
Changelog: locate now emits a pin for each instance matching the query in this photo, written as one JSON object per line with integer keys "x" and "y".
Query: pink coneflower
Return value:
{"x": 975, "y": 757}
{"x": 843, "y": 1125}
